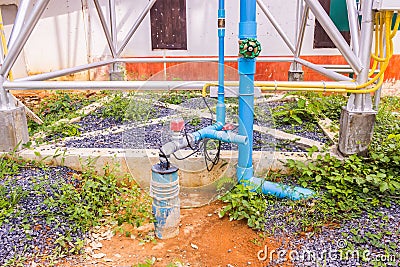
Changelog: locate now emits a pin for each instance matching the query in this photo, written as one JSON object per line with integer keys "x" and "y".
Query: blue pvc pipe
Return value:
{"x": 280, "y": 190}
{"x": 224, "y": 136}
{"x": 221, "y": 108}
{"x": 247, "y": 69}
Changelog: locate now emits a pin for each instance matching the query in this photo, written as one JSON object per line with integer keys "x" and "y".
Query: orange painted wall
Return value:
{"x": 265, "y": 71}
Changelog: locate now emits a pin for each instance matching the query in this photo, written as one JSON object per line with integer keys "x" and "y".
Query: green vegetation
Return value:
{"x": 57, "y": 106}
{"x": 129, "y": 107}
{"x": 308, "y": 109}
{"x": 292, "y": 112}
{"x": 60, "y": 106}
{"x": 195, "y": 121}
{"x": 64, "y": 106}
{"x": 243, "y": 203}
{"x": 346, "y": 188}
{"x": 86, "y": 200}
{"x": 176, "y": 98}
{"x": 151, "y": 262}
{"x": 97, "y": 195}
{"x": 325, "y": 106}
{"x": 391, "y": 103}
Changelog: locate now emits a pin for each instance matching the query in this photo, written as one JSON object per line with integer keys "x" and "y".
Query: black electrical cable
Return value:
{"x": 187, "y": 138}
{"x": 203, "y": 145}
{"x": 211, "y": 113}
{"x": 208, "y": 158}
{"x": 162, "y": 154}
{"x": 191, "y": 154}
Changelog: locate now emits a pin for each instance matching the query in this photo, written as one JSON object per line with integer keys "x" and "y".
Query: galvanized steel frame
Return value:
{"x": 356, "y": 55}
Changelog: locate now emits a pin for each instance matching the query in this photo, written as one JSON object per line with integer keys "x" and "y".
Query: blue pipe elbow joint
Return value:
{"x": 224, "y": 136}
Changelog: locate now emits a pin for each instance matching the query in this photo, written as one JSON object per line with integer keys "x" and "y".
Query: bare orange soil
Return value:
{"x": 204, "y": 240}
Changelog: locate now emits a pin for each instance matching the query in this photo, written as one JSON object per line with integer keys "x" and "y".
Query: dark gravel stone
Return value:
{"x": 155, "y": 135}
{"x": 27, "y": 231}
{"x": 316, "y": 134}
{"x": 265, "y": 119}
{"x": 375, "y": 233}
{"x": 96, "y": 121}
{"x": 198, "y": 103}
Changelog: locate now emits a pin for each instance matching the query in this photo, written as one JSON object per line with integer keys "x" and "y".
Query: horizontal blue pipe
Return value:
{"x": 224, "y": 136}
{"x": 280, "y": 190}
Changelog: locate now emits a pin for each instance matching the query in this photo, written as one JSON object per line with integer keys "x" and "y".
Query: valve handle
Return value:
{"x": 249, "y": 48}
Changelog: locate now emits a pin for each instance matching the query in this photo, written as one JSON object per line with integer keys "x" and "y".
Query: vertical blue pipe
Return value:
{"x": 247, "y": 69}
{"x": 221, "y": 61}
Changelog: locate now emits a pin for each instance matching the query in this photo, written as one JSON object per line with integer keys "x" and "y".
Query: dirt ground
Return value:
{"x": 204, "y": 240}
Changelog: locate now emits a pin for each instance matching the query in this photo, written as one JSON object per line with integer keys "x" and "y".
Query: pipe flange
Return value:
{"x": 249, "y": 48}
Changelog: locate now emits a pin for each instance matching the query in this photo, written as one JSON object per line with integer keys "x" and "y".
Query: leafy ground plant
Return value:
{"x": 76, "y": 201}
{"x": 292, "y": 112}
{"x": 347, "y": 190}
{"x": 129, "y": 106}
{"x": 245, "y": 203}
{"x": 176, "y": 98}
{"x": 57, "y": 106}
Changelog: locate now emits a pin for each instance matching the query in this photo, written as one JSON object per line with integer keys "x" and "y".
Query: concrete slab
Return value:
{"x": 198, "y": 186}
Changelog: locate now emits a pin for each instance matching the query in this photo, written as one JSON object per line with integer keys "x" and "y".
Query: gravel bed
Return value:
{"x": 96, "y": 121}
{"x": 25, "y": 232}
{"x": 316, "y": 134}
{"x": 374, "y": 235}
{"x": 266, "y": 120}
{"x": 147, "y": 137}
{"x": 198, "y": 103}
{"x": 154, "y": 136}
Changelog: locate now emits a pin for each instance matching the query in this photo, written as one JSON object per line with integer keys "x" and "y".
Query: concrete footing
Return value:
{"x": 13, "y": 129}
{"x": 295, "y": 76}
{"x": 117, "y": 72}
{"x": 356, "y": 130}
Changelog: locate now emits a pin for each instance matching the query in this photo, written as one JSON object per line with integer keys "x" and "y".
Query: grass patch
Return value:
{"x": 128, "y": 107}
{"x": 60, "y": 105}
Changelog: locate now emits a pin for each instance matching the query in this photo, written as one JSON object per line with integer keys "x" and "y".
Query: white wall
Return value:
{"x": 70, "y": 33}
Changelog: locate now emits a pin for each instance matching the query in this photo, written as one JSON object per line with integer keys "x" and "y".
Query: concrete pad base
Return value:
{"x": 356, "y": 130}
{"x": 295, "y": 76}
{"x": 13, "y": 129}
{"x": 198, "y": 186}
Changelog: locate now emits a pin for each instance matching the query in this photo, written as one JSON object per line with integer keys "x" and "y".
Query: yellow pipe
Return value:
{"x": 378, "y": 43}
{"x": 378, "y": 47}
{"x": 4, "y": 41}
{"x": 396, "y": 26}
{"x": 389, "y": 49}
{"x": 337, "y": 90}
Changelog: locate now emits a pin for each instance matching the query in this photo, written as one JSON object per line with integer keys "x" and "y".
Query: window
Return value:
{"x": 338, "y": 12}
{"x": 168, "y": 25}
